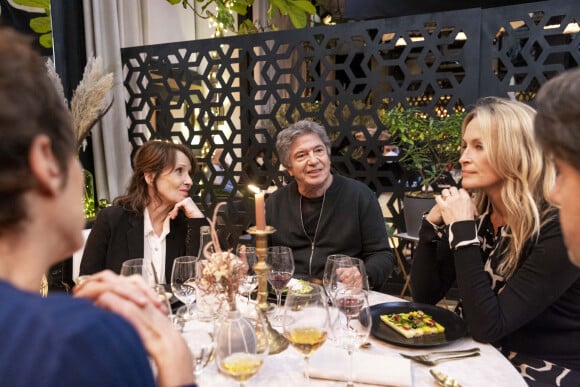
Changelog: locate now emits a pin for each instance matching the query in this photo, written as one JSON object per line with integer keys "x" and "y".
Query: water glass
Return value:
{"x": 250, "y": 282}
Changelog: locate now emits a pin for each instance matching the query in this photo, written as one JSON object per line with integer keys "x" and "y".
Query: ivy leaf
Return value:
{"x": 280, "y": 5}
{"x": 44, "y": 4}
{"x": 45, "y": 40}
{"x": 298, "y": 18}
{"x": 40, "y": 25}
{"x": 247, "y": 27}
{"x": 241, "y": 6}
{"x": 240, "y": 9}
{"x": 304, "y": 5}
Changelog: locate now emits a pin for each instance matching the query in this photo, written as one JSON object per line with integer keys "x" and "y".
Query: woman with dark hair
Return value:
{"x": 61, "y": 340}
{"x": 156, "y": 219}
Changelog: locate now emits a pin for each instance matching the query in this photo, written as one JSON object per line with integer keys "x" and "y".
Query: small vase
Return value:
{"x": 240, "y": 349}
{"x": 89, "y": 195}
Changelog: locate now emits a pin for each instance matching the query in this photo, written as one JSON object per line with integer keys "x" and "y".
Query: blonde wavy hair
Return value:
{"x": 507, "y": 131}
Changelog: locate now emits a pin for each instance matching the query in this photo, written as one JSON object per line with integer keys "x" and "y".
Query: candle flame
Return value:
{"x": 254, "y": 189}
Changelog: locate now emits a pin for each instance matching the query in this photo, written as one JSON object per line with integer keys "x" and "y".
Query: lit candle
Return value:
{"x": 260, "y": 208}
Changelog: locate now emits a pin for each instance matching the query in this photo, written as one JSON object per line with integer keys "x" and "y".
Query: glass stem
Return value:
{"x": 278, "y": 302}
{"x": 307, "y": 369}
{"x": 350, "y": 383}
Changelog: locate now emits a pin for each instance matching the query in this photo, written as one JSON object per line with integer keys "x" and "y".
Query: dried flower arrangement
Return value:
{"x": 222, "y": 271}
{"x": 87, "y": 105}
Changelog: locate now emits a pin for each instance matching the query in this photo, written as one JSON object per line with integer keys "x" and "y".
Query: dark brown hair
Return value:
{"x": 557, "y": 123}
{"x": 153, "y": 157}
{"x": 29, "y": 106}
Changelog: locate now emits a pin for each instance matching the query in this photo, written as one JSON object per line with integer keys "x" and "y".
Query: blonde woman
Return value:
{"x": 500, "y": 241}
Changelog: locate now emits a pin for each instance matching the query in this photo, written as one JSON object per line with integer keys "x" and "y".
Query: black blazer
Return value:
{"x": 117, "y": 236}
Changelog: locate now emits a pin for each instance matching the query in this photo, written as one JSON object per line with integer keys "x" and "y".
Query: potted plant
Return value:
{"x": 430, "y": 149}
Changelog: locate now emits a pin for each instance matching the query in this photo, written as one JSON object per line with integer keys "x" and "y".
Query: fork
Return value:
{"x": 452, "y": 352}
{"x": 426, "y": 360}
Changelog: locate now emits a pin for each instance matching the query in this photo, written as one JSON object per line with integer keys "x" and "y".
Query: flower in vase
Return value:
{"x": 222, "y": 272}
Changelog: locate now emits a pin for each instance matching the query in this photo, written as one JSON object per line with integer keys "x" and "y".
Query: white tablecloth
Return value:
{"x": 285, "y": 369}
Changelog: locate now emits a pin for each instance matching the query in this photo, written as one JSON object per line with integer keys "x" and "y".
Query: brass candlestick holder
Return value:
{"x": 277, "y": 342}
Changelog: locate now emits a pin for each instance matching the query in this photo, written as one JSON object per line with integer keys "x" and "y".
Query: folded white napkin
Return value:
{"x": 331, "y": 363}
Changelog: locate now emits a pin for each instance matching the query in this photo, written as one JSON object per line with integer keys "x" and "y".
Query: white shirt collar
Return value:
{"x": 148, "y": 226}
{"x": 154, "y": 247}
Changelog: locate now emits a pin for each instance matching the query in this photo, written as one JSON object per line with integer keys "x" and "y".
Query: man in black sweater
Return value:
{"x": 320, "y": 213}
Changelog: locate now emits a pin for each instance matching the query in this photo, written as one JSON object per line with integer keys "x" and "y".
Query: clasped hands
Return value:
{"x": 453, "y": 205}
{"x": 134, "y": 300}
{"x": 350, "y": 277}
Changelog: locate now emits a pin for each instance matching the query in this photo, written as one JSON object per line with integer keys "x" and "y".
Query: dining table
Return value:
{"x": 491, "y": 368}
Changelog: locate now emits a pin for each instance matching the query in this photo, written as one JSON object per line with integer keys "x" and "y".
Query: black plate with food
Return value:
{"x": 454, "y": 325}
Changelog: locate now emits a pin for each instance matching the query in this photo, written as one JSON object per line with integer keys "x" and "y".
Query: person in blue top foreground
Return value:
{"x": 320, "y": 213}
{"x": 111, "y": 331}
{"x": 499, "y": 240}
{"x": 557, "y": 128}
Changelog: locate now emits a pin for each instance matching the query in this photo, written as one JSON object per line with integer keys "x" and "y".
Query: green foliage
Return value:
{"x": 297, "y": 10}
{"x": 429, "y": 146}
{"x": 42, "y": 24}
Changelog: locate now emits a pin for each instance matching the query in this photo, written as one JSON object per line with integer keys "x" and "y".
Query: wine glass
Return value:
{"x": 281, "y": 262}
{"x": 353, "y": 324}
{"x": 183, "y": 281}
{"x": 306, "y": 321}
{"x": 199, "y": 336}
{"x": 164, "y": 296}
{"x": 241, "y": 346}
{"x": 250, "y": 281}
{"x": 328, "y": 270}
{"x": 348, "y": 273}
{"x": 140, "y": 267}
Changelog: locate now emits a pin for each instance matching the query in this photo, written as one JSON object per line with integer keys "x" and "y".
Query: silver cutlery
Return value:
{"x": 453, "y": 352}
{"x": 450, "y": 352}
{"x": 436, "y": 357}
{"x": 443, "y": 379}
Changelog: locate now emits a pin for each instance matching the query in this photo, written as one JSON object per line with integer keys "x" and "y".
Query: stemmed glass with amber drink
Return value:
{"x": 306, "y": 321}
{"x": 241, "y": 346}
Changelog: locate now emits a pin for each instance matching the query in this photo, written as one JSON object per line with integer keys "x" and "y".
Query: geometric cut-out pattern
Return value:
{"x": 227, "y": 98}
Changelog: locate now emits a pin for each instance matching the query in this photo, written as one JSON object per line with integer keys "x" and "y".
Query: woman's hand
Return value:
{"x": 131, "y": 298}
{"x": 189, "y": 208}
{"x": 434, "y": 216}
{"x": 455, "y": 205}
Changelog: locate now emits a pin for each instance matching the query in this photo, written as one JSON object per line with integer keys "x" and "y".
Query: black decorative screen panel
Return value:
{"x": 227, "y": 98}
{"x": 527, "y": 45}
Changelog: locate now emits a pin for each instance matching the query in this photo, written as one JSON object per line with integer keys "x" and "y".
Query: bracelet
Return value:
{"x": 438, "y": 229}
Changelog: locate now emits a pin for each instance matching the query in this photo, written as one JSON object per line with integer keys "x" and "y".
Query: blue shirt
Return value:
{"x": 64, "y": 341}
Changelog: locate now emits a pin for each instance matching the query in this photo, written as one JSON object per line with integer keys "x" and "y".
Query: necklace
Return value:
{"x": 313, "y": 240}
